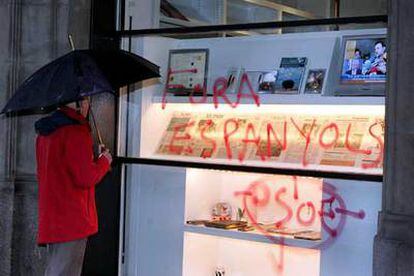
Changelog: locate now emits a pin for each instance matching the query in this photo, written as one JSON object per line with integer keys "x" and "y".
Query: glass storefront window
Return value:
{"x": 259, "y": 147}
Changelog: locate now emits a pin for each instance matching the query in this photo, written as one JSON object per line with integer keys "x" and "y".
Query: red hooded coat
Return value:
{"x": 67, "y": 175}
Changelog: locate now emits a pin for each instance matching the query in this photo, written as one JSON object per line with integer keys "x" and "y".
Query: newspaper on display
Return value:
{"x": 341, "y": 141}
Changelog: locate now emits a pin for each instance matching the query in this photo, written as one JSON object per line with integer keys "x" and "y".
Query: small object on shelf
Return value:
{"x": 290, "y": 74}
{"x": 246, "y": 228}
{"x": 197, "y": 222}
{"x": 289, "y": 62}
{"x": 221, "y": 211}
{"x": 226, "y": 224}
{"x": 267, "y": 226}
{"x": 308, "y": 235}
{"x": 233, "y": 79}
{"x": 314, "y": 81}
{"x": 263, "y": 82}
{"x": 287, "y": 231}
{"x": 220, "y": 271}
{"x": 240, "y": 214}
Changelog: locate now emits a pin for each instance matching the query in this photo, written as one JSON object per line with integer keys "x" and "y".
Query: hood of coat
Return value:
{"x": 60, "y": 118}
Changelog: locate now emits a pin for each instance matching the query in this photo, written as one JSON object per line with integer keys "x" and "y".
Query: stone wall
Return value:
{"x": 32, "y": 33}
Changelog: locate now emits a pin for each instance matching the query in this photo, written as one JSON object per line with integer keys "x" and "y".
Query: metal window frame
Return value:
{"x": 248, "y": 26}
{"x": 281, "y": 8}
{"x": 125, "y": 161}
{"x": 251, "y": 169}
{"x": 259, "y": 3}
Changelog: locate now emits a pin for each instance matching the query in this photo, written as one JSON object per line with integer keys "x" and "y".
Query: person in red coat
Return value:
{"x": 67, "y": 173}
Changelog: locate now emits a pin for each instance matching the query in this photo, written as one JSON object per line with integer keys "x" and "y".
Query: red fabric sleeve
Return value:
{"x": 85, "y": 171}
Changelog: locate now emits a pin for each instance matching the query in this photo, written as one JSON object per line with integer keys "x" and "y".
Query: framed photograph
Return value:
{"x": 263, "y": 82}
{"x": 289, "y": 80}
{"x": 314, "y": 81}
{"x": 233, "y": 79}
{"x": 187, "y": 72}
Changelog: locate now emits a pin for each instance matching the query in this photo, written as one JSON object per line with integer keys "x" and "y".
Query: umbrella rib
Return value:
{"x": 55, "y": 73}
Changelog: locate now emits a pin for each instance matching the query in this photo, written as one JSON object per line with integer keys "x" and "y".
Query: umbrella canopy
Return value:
{"x": 78, "y": 74}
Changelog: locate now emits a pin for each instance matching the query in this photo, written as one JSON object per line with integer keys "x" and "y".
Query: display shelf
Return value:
{"x": 251, "y": 236}
{"x": 282, "y": 99}
{"x": 201, "y": 164}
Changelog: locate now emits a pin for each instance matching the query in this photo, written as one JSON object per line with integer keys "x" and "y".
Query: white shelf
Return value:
{"x": 251, "y": 236}
{"x": 270, "y": 164}
{"x": 284, "y": 99}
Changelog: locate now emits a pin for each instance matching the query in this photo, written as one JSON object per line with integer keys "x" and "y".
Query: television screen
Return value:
{"x": 365, "y": 61}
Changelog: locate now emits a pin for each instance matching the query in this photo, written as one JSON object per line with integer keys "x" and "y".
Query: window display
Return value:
{"x": 269, "y": 106}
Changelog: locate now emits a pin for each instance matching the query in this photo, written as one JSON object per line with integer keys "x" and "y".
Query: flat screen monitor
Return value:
{"x": 363, "y": 65}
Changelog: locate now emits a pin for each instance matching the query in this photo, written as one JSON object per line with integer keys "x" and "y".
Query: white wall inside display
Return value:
{"x": 351, "y": 253}
{"x": 204, "y": 253}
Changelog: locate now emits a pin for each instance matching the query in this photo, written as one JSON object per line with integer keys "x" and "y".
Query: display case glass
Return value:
{"x": 183, "y": 221}
{"x": 244, "y": 158}
{"x": 195, "y": 13}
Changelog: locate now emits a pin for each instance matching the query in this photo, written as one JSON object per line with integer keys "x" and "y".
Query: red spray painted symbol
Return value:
{"x": 258, "y": 195}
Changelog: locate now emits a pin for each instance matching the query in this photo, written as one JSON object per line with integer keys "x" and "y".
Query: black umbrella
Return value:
{"x": 78, "y": 74}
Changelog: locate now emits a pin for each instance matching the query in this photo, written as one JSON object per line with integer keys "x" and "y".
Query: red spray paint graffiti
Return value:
{"x": 329, "y": 135}
{"x": 258, "y": 195}
{"x": 219, "y": 91}
{"x": 252, "y": 136}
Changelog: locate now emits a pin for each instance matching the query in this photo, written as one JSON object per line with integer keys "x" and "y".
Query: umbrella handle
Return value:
{"x": 96, "y": 127}
{"x": 71, "y": 43}
{"x": 97, "y": 132}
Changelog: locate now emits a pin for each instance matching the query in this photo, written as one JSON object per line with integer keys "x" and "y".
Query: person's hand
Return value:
{"x": 101, "y": 148}
{"x": 107, "y": 155}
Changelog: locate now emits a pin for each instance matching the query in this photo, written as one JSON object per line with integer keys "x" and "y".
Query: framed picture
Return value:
{"x": 233, "y": 79}
{"x": 263, "y": 82}
{"x": 187, "y": 72}
{"x": 362, "y": 69}
{"x": 289, "y": 80}
{"x": 314, "y": 81}
{"x": 290, "y": 62}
